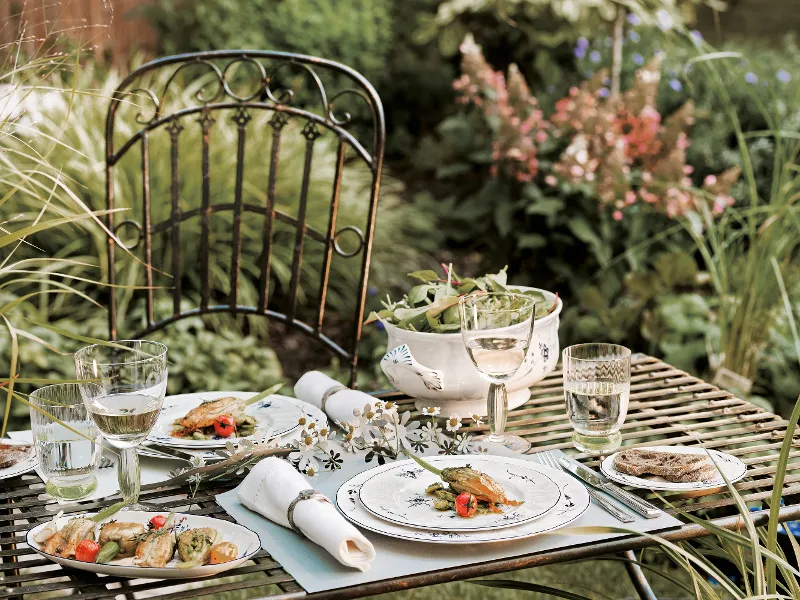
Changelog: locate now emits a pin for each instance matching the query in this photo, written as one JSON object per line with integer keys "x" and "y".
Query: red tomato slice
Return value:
{"x": 466, "y": 505}
{"x": 224, "y": 425}
{"x": 158, "y": 522}
{"x": 87, "y": 550}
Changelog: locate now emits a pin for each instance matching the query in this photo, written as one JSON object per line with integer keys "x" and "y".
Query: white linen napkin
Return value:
{"x": 339, "y": 405}
{"x": 269, "y": 490}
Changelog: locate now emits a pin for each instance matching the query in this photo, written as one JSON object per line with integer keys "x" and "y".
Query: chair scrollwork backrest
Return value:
{"x": 240, "y": 84}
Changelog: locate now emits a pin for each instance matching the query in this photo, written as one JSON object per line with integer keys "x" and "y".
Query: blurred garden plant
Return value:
{"x": 36, "y": 201}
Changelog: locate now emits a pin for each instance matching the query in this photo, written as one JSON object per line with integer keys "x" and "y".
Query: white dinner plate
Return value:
{"x": 733, "y": 468}
{"x": 246, "y": 541}
{"x": 573, "y": 502}
{"x": 23, "y": 466}
{"x": 396, "y": 493}
{"x": 273, "y": 412}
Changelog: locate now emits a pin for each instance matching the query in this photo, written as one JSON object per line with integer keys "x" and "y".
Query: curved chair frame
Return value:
{"x": 265, "y": 97}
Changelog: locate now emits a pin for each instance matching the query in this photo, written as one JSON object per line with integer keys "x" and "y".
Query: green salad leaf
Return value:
{"x": 432, "y": 304}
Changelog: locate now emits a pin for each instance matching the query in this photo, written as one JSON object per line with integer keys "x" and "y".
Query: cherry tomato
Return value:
{"x": 224, "y": 425}
{"x": 158, "y": 522}
{"x": 87, "y": 550}
{"x": 466, "y": 505}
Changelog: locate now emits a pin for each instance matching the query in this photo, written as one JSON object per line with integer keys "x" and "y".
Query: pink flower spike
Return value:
{"x": 710, "y": 180}
{"x": 551, "y": 180}
{"x": 617, "y": 215}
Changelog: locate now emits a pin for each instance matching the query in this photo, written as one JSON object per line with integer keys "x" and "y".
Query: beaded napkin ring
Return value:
{"x": 329, "y": 393}
{"x": 303, "y": 495}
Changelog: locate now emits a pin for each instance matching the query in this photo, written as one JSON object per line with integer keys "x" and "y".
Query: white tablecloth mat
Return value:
{"x": 317, "y": 571}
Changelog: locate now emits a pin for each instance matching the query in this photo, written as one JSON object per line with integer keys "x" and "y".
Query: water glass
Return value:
{"x": 66, "y": 440}
{"x": 597, "y": 385}
{"x": 123, "y": 385}
{"x": 496, "y": 329}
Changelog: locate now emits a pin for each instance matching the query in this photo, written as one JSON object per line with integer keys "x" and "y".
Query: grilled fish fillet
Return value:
{"x": 672, "y": 466}
{"x": 11, "y": 454}
{"x": 156, "y": 549}
{"x": 205, "y": 414}
{"x": 125, "y": 534}
{"x": 480, "y": 485}
{"x": 64, "y": 542}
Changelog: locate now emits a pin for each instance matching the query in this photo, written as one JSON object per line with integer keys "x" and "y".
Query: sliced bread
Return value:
{"x": 672, "y": 466}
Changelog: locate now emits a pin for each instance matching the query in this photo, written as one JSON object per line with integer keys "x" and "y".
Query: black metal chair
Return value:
{"x": 217, "y": 95}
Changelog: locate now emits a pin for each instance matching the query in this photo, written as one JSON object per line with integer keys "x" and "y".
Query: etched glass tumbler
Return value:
{"x": 597, "y": 384}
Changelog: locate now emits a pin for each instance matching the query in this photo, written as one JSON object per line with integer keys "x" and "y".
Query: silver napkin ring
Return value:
{"x": 329, "y": 393}
{"x": 303, "y": 495}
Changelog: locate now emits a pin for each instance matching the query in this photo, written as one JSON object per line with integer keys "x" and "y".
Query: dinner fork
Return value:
{"x": 549, "y": 460}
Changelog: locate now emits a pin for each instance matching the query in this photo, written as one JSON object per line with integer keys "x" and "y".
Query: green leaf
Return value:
{"x": 418, "y": 294}
{"x": 503, "y": 216}
{"x": 424, "y": 276}
{"x": 531, "y": 240}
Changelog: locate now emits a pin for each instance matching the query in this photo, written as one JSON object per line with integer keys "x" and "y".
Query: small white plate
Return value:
{"x": 733, "y": 468}
{"x": 23, "y": 466}
{"x": 246, "y": 541}
{"x": 396, "y": 493}
{"x": 273, "y": 412}
{"x": 573, "y": 503}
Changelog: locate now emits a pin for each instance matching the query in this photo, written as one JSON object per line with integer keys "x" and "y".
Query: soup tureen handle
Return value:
{"x": 398, "y": 364}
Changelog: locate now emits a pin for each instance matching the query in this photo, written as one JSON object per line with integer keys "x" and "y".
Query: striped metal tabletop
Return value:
{"x": 667, "y": 406}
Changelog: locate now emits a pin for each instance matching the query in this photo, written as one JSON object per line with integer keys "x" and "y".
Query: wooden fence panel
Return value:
{"x": 110, "y": 29}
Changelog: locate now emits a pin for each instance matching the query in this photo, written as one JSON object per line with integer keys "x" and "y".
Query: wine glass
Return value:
{"x": 496, "y": 329}
{"x": 123, "y": 386}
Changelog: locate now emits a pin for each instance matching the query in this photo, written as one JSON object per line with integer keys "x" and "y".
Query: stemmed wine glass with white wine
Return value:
{"x": 123, "y": 386}
{"x": 496, "y": 329}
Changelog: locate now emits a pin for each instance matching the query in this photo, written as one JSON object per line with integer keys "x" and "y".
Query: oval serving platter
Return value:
{"x": 396, "y": 493}
{"x": 246, "y": 541}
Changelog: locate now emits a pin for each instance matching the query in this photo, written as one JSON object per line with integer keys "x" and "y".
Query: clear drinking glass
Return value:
{"x": 124, "y": 400}
{"x": 597, "y": 385}
{"x": 496, "y": 329}
{"x": 68, "y": 452}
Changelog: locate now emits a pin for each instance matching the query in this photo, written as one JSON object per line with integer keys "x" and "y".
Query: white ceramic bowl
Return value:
{"x": 435, "y": 368}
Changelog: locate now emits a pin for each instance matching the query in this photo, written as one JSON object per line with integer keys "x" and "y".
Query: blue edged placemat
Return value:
{"x": 317, "y": 571}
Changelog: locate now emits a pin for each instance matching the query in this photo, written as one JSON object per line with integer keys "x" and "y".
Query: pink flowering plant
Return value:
{"x": 619, "y": 150}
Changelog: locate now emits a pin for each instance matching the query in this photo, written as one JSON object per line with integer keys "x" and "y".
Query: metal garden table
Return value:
{"x": 668, "y": 406}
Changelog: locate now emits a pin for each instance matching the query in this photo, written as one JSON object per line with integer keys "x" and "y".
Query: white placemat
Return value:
{"x": 317, "y": 571}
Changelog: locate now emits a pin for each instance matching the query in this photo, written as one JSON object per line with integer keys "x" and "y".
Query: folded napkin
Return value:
{"x": 271, "y": 487}
{"x": 336, "y": 400}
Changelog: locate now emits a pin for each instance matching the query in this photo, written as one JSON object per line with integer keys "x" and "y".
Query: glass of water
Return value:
{"x": 496, "y": 329}
{"x": 67, "y": 442}
{"x": 597, "y": 385}
{"x": 123, "y": 389}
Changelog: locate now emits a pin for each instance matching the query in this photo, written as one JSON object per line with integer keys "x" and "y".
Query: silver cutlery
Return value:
{"x": 159, "y": 451}
{"x": 549, "y": 460}
{"x": 601, "y": 482}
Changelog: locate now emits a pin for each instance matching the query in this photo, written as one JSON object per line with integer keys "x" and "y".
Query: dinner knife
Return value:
{"x": 643, "y": 507}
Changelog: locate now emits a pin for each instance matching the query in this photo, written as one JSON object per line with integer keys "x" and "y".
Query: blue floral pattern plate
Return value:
{"x": 276, "y": 416}
{"x": 574, "y": 501}
{"x": 396, "y": 493}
